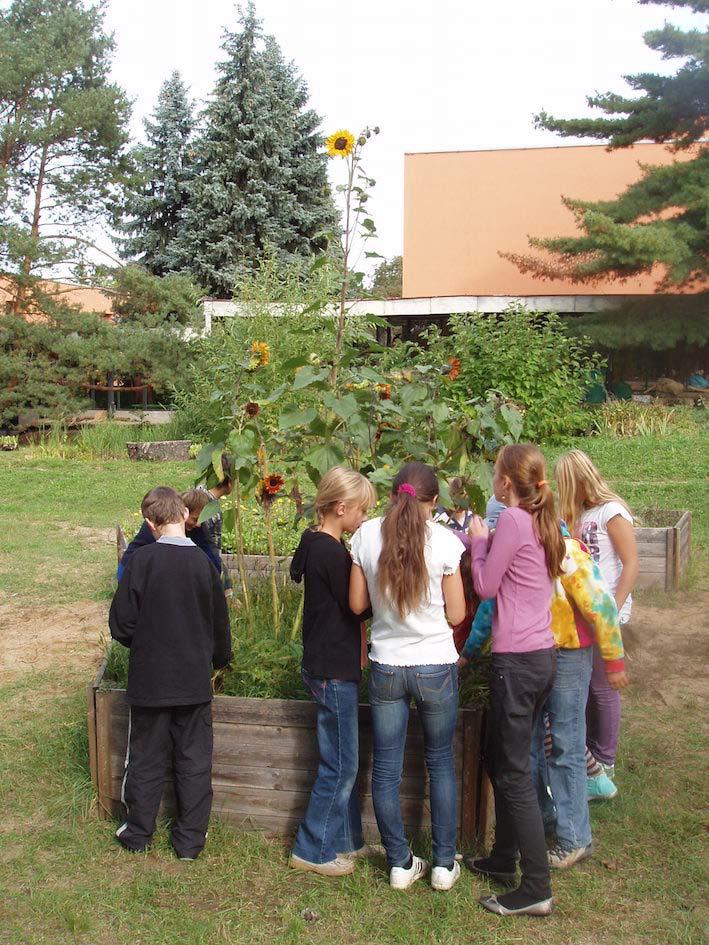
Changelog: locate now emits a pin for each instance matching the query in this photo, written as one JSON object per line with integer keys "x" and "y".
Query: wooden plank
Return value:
{"x": 651, "y": 549}
{"x": 103, "y": 752}
{"x": 470, "y": 782}
{"x": 654, "y": 565}
{"x": 91, "y": 725}
{"x": 651, "y": 535}
{"x": 670, "y": 561}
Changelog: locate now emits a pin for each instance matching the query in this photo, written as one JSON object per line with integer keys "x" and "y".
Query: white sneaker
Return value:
{"x": 402, "y": 878}
{"x": 443, "y": 879}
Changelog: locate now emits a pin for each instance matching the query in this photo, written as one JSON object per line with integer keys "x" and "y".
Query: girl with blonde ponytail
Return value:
{"x": 409, "y": 568}
{"x": 518, "y": 569}
{"x": 603, "y": 522}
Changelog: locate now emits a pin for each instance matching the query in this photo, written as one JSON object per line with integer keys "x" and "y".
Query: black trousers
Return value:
{"x": 519, "y": 686}
{"x": 156, "y": 737}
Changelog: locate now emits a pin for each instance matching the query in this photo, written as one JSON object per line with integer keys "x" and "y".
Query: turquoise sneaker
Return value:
{"x": 600, "y": 788}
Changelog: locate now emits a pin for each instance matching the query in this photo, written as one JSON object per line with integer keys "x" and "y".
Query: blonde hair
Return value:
{"x": 525, "y": 467}
{"x": 343, "y": 485}
{"x": 580, "y": 486}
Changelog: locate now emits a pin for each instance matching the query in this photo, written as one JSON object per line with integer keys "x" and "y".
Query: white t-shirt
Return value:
{"x": 424, "y": 636}
{"x": 592, "y": 529}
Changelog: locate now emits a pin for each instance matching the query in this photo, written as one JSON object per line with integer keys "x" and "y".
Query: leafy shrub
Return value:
{"x": 530, "y": 358}
{"x": 627, "y": 418}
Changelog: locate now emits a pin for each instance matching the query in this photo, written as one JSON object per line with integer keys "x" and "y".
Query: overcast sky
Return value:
{"x": 435, "y": 76}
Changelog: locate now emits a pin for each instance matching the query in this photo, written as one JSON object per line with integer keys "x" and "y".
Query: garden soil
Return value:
{"x": 667, "y": 642}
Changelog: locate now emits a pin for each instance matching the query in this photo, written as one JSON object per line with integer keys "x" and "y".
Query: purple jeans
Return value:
{"x": 602, "y": 714}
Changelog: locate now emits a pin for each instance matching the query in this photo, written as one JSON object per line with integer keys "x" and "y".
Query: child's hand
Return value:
{"x": 618, "y": 680}
{"x": 478, "y": 528}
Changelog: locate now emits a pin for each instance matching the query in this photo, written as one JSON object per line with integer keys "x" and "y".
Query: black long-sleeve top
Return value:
{"x": 331, "y": 632}
{"x": 170, "y": 611}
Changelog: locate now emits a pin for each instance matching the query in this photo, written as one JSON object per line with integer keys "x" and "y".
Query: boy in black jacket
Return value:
{"x": 170, "y": 611}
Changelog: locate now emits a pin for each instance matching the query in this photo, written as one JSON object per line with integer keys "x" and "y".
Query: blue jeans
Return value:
{"x": 333, "y": 821}
{"x": 435, "y": 692}
{"x": 565, "y": 769}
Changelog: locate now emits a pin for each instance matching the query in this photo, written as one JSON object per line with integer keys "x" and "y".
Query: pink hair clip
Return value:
{"x": 407, "y": 487}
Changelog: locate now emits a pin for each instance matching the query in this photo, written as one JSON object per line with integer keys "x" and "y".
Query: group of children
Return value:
{"x": 552, "y": 596}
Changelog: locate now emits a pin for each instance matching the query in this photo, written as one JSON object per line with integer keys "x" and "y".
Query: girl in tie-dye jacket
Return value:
{"x": 582, "y": 609}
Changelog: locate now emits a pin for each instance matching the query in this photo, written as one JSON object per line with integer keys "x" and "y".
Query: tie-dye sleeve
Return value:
{"x": 586, "y": 588}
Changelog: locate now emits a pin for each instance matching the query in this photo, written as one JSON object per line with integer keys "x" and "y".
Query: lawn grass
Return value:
{"x": 64, "y": 881}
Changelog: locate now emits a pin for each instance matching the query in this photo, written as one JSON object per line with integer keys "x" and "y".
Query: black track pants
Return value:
{"x": 180, "y": 736}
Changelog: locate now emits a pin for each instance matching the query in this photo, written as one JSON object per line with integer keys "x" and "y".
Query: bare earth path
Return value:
{"x": 667, "y": 642}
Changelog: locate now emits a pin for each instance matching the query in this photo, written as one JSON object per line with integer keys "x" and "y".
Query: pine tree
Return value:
{"x": 154, "y": 205}
{"x": 62, "y": 134}
{"x": 664, "y": 217}
{"x": 260, "y": 185}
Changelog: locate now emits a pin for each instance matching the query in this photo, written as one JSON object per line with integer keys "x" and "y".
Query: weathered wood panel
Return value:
{"x": 265, "y": 761}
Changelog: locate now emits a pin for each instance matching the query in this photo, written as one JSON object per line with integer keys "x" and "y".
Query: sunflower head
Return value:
{"x": 272, "y": 485}
{"x": 252, "y": 409}
{"x": 260, "y": 354}
{"x": 340, "y": 144}
{"x": 384, "y": 391}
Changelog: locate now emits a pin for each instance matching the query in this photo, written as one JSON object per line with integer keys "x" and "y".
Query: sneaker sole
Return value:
{"x": 601, "y": 797}
{"x": 409, "y": 882}
{"x": 444, "y": 887}
{"x": 305, "y": 867}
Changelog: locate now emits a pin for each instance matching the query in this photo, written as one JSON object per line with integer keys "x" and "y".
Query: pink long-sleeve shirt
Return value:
{"x": 512, "y": 568}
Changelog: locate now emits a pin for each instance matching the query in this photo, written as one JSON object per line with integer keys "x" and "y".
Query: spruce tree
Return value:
{"x": 152, "y": 213}
{"x": 663, "y": 218}
{"x": 261, "y": 185}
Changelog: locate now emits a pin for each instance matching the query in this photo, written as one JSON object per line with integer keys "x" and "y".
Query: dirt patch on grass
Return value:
{"x": 90, "y": 537}
{"x": 667, "y": 647}
{"x": 40, "y": 637}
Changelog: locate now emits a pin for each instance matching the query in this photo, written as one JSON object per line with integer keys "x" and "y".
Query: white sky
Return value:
{"x": 441, "y": 76}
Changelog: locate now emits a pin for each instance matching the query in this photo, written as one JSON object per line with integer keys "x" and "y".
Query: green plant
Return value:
{"x": 529, "y": 357}
{"x": 8, "y": 443}
{"x": 626, "y": 418}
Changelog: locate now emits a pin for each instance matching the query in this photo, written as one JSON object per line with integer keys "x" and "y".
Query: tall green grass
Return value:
{"x": 104, "y": 440}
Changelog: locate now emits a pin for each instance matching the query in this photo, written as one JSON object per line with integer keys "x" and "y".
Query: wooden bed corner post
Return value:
{"x": 469, "y": 795}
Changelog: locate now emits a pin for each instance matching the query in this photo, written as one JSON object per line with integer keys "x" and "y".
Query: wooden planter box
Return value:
{"x": 265, "y": 760}
{"x": 664, "y": 548}
{"x": 257, "y": 567}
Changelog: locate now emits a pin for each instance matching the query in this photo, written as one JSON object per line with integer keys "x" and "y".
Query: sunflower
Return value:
{"x": 252, "y": 409}
{"x": 260, "y": 353}
{"x": 340, "y": 144}
{"x": 454, "y": 371}
{"x": 272, "y": 485}
{"x": 384, "y": 391}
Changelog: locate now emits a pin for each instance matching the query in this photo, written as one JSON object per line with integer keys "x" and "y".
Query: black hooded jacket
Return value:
{"x": 331, "y": 632}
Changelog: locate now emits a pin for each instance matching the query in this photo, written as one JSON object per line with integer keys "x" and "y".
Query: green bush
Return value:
{"x": 530, "y": 358}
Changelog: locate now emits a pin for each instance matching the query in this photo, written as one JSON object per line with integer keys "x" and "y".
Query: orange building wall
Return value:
{"x": 461, "y": 207}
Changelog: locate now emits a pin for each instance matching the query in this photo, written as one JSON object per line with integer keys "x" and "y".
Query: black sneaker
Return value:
{"x": 498, "y": 870}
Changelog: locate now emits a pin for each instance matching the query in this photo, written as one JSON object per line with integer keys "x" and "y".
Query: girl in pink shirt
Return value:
{"x": 517, "y": 567}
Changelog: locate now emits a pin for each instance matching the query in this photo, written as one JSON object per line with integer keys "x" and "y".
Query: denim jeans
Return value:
{"x": 564, "y": 771}
{"x": 333, "y": 821}
{"x": 519, "y": 686}
{"x": 602, "y": 713}
{"x": 435, "y": 692}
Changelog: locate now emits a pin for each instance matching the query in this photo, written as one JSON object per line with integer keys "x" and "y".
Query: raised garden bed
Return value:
{"x": 159, "y": 450}
{"x": 265, "y": 760}
{"x": 664, "y": 545}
